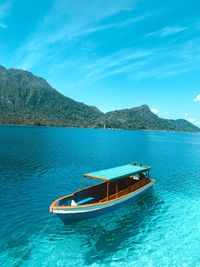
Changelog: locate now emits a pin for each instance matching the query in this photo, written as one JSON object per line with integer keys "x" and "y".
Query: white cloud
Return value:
{"x": 192, "y": 120}
{"x": 168, "y": 30}
{"x": 154, "y": 110}
{"x": 197, "y": 98}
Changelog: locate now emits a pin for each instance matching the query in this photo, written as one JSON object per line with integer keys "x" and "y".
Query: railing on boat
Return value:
{"x": 127, "y": 190}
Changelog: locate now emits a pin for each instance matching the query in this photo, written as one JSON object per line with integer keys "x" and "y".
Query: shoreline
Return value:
{"x": 113, "y": 129}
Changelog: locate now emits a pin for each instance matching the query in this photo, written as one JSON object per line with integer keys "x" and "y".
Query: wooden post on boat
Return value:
{"x": 81, "y": 184}
{"x": 129, "y": 185}
{"x": 107, "y": 190}
{"x": 117, "y": 193}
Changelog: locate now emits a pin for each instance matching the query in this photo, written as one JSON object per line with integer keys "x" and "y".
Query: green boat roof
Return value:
{"x": 118, "y": 172}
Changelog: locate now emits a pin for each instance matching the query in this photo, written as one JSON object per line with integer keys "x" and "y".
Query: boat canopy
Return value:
{"x": 118, "y": 172}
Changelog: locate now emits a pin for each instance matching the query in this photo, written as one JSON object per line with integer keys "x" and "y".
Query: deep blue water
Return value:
{"x": 38, "y": 165}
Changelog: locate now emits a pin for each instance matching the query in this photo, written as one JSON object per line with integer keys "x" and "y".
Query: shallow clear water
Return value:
{"x": 38, "y": 165}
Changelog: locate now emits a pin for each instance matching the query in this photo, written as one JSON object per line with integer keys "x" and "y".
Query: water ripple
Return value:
{"x": 38, "y": 165}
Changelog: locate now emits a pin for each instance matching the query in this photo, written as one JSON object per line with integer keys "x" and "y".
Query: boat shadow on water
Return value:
{"x": 102, "y": 236}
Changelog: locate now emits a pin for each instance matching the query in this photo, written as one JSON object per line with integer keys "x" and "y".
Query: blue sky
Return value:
{"x": 113, "y": 54}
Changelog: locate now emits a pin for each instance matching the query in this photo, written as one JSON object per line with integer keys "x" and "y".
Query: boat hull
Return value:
{"x": 69, "y": 215}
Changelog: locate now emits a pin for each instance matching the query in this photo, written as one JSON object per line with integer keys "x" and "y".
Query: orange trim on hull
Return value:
{"x": 57, "y": 200}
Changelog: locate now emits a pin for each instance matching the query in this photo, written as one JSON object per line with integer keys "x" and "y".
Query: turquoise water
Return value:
{"x": 38, "y": 165}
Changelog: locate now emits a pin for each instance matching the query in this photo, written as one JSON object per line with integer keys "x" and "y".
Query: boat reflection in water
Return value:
{"x": 118, "y": 186}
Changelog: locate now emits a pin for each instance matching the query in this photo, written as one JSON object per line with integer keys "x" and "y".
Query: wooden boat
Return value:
{"x": 118, "y": 186}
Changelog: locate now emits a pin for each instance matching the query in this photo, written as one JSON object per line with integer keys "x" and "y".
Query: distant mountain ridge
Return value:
{"x": 30, "y": 100}
{"x": 144, "y": 119}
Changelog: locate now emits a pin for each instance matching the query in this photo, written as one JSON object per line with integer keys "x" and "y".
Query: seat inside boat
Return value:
{"x": 117, "y": 188}
{"x": 83, "y": 201}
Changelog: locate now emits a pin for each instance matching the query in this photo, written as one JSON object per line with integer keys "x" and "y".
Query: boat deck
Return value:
{"x": 98, "y": 193}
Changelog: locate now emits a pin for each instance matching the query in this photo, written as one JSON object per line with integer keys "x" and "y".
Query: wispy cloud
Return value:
{"x": 67, "y": 20}
{"x": 154, "y": 110}
{"x": 168, "y": 30}
{"x": 4, "y": 9}
{"x": 4, "y": 12}
{"x": 108, "y": 26}
{"x": 60, "y": 38}
{"x": 116, "y": 63}
{"x": 160, "y": 62}
{"x": 197, "y": 98}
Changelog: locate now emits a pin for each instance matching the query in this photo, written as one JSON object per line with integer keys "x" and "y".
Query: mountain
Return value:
{"x": 27, "y": 99}
{"x": 30, "y": 100}
{"x": 143, "y": 118}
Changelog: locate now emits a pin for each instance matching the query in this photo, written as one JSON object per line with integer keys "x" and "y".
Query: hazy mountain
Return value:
{"x": 30, "y": 100}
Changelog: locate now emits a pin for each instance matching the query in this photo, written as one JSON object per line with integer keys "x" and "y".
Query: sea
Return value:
{"x": 40, "y": 164}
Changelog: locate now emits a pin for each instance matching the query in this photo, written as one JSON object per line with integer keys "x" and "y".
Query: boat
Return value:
{"x": 116, "y": 187}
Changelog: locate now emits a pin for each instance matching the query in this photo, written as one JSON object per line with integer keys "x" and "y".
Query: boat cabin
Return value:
{"x": 115, "y": 183}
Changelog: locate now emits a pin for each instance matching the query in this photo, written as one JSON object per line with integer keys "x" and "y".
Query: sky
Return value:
{"x": 112, "y": 54}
